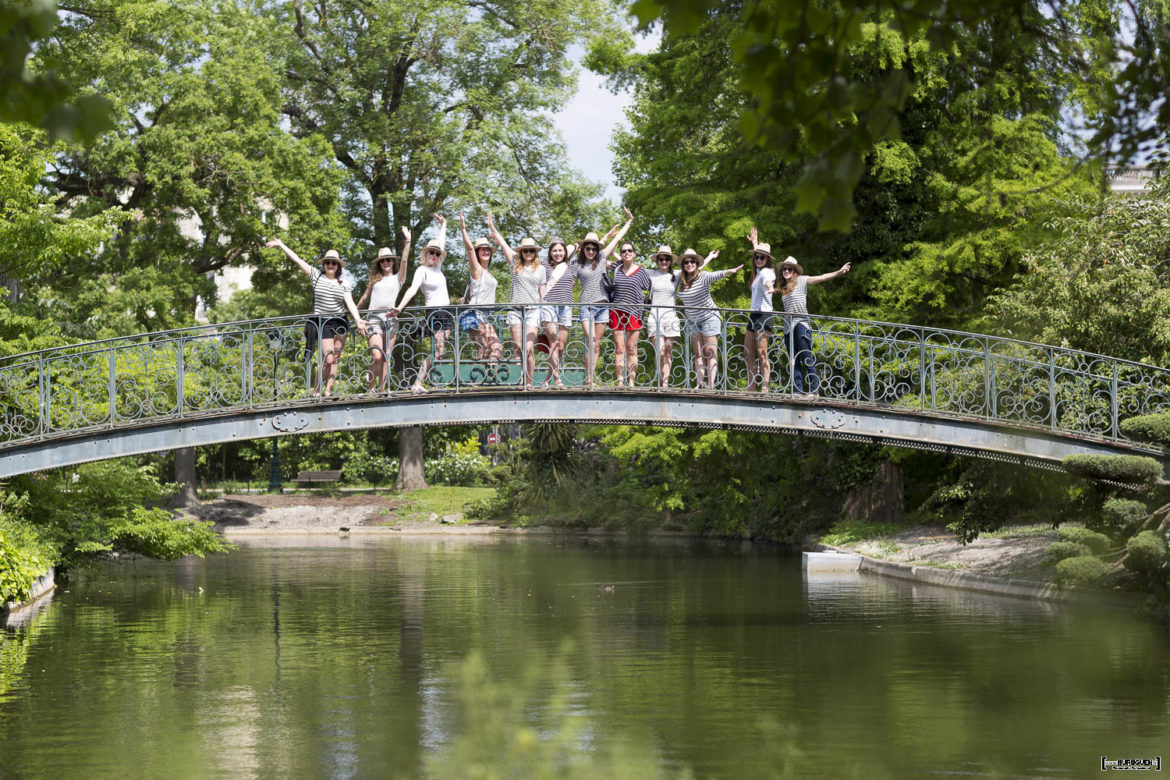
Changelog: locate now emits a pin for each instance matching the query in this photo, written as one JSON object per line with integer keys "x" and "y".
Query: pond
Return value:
{"x": 443, "y": 656}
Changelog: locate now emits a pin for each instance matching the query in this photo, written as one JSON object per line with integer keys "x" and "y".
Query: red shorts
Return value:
{"x": 620, "y": 320}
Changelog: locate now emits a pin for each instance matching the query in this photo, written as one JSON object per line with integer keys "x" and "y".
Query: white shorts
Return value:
{"x": 530, "y": 316}
{"x": 559, "y": 313}
{"x": 380, "y": 323}
{"x": 663, "y": 322}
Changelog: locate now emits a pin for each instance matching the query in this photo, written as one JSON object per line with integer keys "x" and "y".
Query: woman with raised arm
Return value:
{"x": 630, "y": 285}
{"x": 430, "y": 279}
{"x": 761, "y": 281}
{"x": 703, "y": 321}
{"x": 793, "y": 288}
{"x": 557, "y": 314}
{"x": 592, "y": 264}
{"x": 387, "y": 276}
{"x": 663, "y": 321}
{"x": 332, "y": 299}
{"x": 528, "y": 283}
{"x": 481, "y": 291}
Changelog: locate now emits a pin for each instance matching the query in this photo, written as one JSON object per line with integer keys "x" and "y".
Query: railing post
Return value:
{"x": 246, "y": 379}
{"x": 180, "y": 368}
{"x": 723, "y": 353}
{"x": 856, "y": 362}
{"x": 923, "y": 367}
{"x": 1052, "y": 405}
{"x": 988, "y": 380}
{"x": 42, "y": 398}
{"x": 112, "y": 384}
{"x": 457, "y": 345}
{"x": 1114, "y": 402}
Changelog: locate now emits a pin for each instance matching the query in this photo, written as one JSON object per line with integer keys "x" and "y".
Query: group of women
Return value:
{"x": 613, "y": 293}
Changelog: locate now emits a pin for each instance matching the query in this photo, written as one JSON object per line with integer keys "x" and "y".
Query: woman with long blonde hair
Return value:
{"x": 528, "y": 284}
{"x": 793, "y": 288}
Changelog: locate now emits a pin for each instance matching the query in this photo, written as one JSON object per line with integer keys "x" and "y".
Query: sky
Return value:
{"x": 588, "y": 142}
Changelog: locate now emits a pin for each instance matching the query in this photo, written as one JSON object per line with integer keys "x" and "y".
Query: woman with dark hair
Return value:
{"x": 662, "y": 320}
{"x": 759, "y": 330}
{"x": 591, "y": 265}
{"x": 557, "y": 313}
{"x": 387, "y": 275}
{"x": 794, "y": 291}
{"x": 528, "y": 283}
{"x": 438, "y": 323}
{"x": 630, "y": 285}
{"x": 332, "y": 299}
{"x": 702, "y": 316}
{"x": 481, "y": 291}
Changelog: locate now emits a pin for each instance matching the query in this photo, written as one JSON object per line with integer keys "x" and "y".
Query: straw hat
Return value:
{"x": 664, "y": 250}
{"x": 482, "y": 243}
{"x": 591, "y": 238}
{"x": 385, "y": 253}
{"x": 332, "y": 255}
{"x": 763, "y": 249}
{"x": 690, "y": 253}
{"x": 434, "y": 244}
{"x": 528, "y": 243}
{"x": 790, "y": 261}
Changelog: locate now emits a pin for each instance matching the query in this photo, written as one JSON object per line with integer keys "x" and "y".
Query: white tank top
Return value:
{"x": 384, "y": 293}
{"x": 483, "y": 290}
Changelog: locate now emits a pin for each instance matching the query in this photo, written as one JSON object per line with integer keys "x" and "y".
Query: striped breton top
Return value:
{"x": 628, "y": 289}
{"x": 698, "y": 295}
{"x": 796, "y": 302}
{"x": 561, "y": 292}
{"x": 590, "y": 276}
{"x": 328, "y": 294}
{"x": 526, "y": 284}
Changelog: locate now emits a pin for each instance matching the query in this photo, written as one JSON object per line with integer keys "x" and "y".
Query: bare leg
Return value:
{"x": 377, "y": 362}
{"x": 665, "y": 353}
{"x": 711, "y": 357}
{"x": 332, "y": 349}
{"x": 386, "y": 361}
{"x": 554, "y": 358}
{"x": 765, "y": 363}
{"x": 700, "y": 366}
{"x": 559, "y": 345}
{"x": 619, "y": 355}
{"x": 749, "y": 354}
{"x": 597, "y": 331}
{"x": 632, "y": 356}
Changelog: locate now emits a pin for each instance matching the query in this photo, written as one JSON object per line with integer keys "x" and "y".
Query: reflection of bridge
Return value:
{"x": 898, "y": 384}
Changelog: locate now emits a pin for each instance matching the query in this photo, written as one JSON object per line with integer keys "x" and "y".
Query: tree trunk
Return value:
{"x": 410, "y": 459}
{"x": 882, "y": 501}
{"x": 185, "y": 476}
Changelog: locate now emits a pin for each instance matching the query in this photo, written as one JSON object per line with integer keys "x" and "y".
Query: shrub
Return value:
{"x": 1094, "y": 542}
{"x": 1116, "y": 468}
{"x": 1082, "y": 570}
{"x": 1152, "y": 428}
{"x": 1060, "y": 551}
{"x": 19, "y": 568}
{"x": 363, "y": 466}
{"x": 1145, "y": 552}
{"x": 460, "y": 465}
{"x": 1122, "y": 516}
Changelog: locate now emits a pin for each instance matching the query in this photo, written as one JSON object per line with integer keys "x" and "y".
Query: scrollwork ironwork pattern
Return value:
{"x": 217, "y": 369}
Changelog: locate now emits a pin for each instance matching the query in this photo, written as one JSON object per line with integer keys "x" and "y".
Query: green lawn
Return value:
{"x": 440, "y": 500}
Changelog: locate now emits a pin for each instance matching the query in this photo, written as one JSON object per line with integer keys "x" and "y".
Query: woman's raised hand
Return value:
{"x": 273, "y": 243}
{"x": 406, "y": 232}
{"x": 629, "y": 214}
{"x": 462, "y": 221}
{"x": 440, "y": 219}
{"x": 754, "y": 236}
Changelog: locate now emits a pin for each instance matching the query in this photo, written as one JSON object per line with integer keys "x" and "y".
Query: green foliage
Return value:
{"x": 848, "y": 532}
{"x": 19, "y": 568}
{"x": 1115, "y": 468}
{"x": 1152, "y": 428}
{"x": 1059, "y": 551}
{"x": 984, "y": 496}
{"x": 364, "y": 466}
{"x": 461, "y": 465}
{"x": 1100, "y": 283}
{"x": 833, "y": 107}
{"x": 109, "y": 507}
{"x": 1095, "y": 542}
{"x": 41, "y": 95}
{"x": 1146, "y": 553}
{"x": 1120, "y": 517}
{"x": 1080, "y": 571}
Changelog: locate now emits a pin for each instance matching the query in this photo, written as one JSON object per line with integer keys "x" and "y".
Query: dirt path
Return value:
{"x": 287, "y": 512}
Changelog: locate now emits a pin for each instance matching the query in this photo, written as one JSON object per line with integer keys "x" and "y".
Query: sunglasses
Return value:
{"x": 759, "y": 257}
{"x": 328, "y": 263}
{"x": 787, "y": 270}
{"x": 627, "y": 251}
{"x": 527, "y": 251}
{"x": 690, "y": 261}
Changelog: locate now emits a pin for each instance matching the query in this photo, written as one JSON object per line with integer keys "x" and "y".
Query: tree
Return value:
{"x": 41, "y": 96}
{"x": 1100, "y": 61}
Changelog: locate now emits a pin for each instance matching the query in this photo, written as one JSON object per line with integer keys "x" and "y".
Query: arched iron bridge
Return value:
{"x": 911, "y": 386}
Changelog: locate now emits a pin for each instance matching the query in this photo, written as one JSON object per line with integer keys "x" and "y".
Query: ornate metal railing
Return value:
{"x": 218, "y": 369}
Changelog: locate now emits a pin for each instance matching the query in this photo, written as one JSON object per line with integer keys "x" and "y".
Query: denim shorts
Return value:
{"x": 529, "y": 315}
{"x": 705, "y": 325}
{"x": 760, "y": 321}
{"x": 471, "y": 320}
{"x": 380, "y": 323}
{"x": 560, "y": 313}
{"x": 595, "y": 312}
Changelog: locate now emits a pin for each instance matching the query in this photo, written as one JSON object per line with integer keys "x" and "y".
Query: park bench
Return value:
{"x": 331, "y": 475}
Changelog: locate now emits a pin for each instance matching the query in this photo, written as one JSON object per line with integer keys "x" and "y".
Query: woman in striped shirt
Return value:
{"x": 794, "y": 289}
{"x": 332, "y": 298}
{"x": 703, "y": 323}
{"x": 630, "y": 285}
{"x": 590, "y": 266}
{"x": 528, "y": 283}
{"x": 557, "y": 313}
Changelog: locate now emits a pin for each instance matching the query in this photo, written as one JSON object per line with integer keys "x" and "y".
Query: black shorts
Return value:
{"x": 325, "y": 326}
{"x": 761, "y": 321}
{"x": 439, "y": 320}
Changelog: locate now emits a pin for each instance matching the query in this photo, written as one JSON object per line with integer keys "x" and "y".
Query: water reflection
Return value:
{"x": 338, "y": 657}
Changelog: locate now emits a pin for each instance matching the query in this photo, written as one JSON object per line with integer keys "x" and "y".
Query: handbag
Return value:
{"x": 608, "y": 285}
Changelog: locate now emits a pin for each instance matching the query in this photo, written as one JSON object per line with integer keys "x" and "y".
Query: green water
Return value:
{"x": 342, "y": 660}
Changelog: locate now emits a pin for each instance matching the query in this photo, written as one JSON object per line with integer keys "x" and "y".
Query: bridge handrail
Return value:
{"x": 213, "y": 329}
